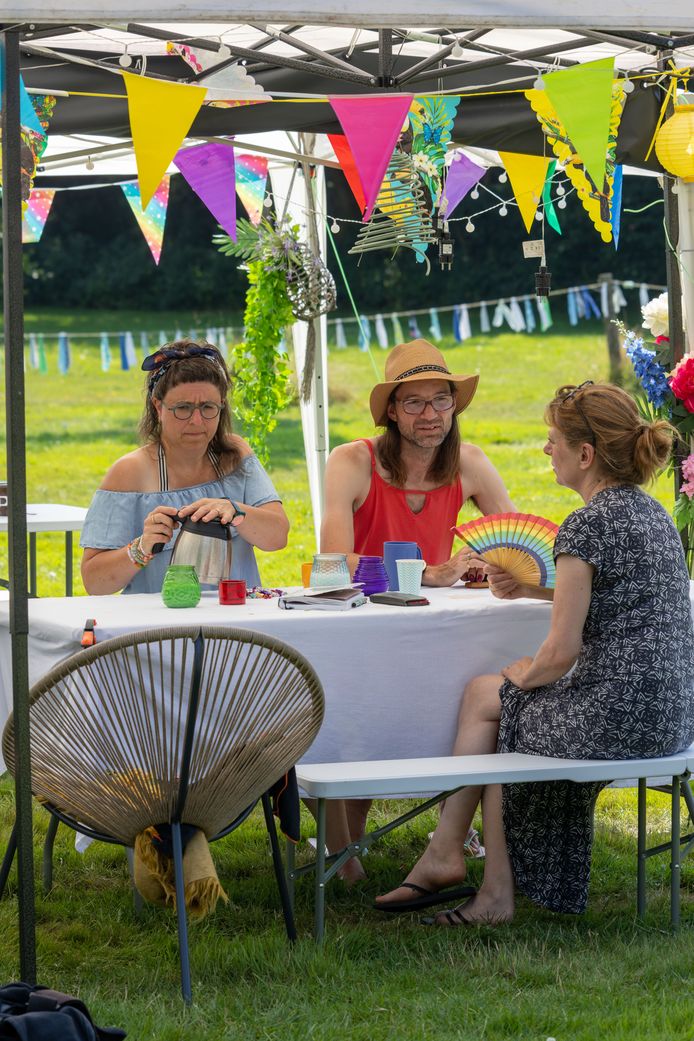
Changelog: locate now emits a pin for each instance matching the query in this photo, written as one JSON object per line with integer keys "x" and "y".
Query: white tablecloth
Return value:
{"x": 51, "y": 516}
{"x": 392, "y": 676}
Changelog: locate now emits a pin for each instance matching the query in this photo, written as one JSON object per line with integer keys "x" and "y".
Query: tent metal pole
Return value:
{"x": 13, "y": 288}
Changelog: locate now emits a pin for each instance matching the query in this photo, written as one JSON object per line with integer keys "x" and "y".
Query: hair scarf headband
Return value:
{"x": 160, "y": 362}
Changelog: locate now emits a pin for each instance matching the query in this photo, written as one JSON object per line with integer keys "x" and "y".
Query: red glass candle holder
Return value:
{"x": 232, "y": 591}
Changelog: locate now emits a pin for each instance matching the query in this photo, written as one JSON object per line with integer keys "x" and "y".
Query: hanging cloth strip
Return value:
{"x": 571, "y": 307}
{"x": 530, "y": 322}
{"x": 381, "y": 332}
{"x": 464, "y": 328}
{"x": 130, "y": 350}
{"x": 364, "y": 333}
{"x": 618, "y": 298}
{"x": 604, "y": 286}
{"x": 580, "y": 306}
{"x": 518, "y": 321}
{"x": 413, "y": 328}
{"x": 144, "y": 344}
{"x": 397, "y": 329}
{"x": 644, "y": 295}
{"x": 545, "y": 313}
{"x": 434, "y": 324}
{"x": 33, "y": 351}
{"x": 456, "y": 323}
{"x": 590, "y": 307}
{"x": 485, "y": 327}
{"x": 105, "y": 351}
{"x": 340, "y": 338}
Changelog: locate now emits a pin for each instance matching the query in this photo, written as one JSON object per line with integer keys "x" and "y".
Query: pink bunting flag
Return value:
{"x": 152, "y": 219}
{"x": 251, "y": 178}
{"x": 372, "y": 127}
{"x": 209, "y": 170}
{"x": 36, "y": 213}
{"x": 462, "y": 175}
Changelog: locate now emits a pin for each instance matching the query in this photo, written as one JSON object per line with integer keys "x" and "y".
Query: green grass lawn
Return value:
{"x": 604, "y": 974}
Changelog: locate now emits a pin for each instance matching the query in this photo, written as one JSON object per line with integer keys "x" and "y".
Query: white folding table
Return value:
{"x": 50, "y": 516}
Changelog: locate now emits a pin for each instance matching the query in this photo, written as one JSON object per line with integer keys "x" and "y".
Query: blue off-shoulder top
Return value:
{"x": 115, "y": 518}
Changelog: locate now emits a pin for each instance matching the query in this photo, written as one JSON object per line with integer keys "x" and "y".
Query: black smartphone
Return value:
{"x": 399, "y": 599}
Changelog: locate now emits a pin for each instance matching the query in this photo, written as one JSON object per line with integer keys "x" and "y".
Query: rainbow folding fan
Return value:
{"x": 520, "y": 543}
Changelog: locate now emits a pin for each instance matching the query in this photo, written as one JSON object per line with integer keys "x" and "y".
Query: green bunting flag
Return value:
{"x": 582, "y": 98}
{"x": 547, "y": 202}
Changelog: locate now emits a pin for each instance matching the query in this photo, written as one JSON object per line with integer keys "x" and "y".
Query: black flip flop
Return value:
{"x": 453, "y": 916}
{"x": 428, "y": 898}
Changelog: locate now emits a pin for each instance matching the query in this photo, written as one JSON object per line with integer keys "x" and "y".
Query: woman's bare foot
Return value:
{"x": 351, "y": 872}
{"x": 433, "y": 871}
{"x": 484, "y": 908}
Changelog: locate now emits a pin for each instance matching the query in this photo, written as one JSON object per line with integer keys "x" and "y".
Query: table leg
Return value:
{"x": 319, "y": 908}
{"x": 641, "y": 850}
{"x": 675, "y": 858}
{"x": 291, "y": 865}
{"x": 32, "y": 563}
{"x": 68, "y": 563}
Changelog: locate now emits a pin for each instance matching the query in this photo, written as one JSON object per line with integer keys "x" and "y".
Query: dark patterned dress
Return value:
{"x": 630, "y": 695}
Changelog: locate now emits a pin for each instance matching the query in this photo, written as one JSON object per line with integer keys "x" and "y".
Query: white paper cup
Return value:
{"x": 410, "y": 575}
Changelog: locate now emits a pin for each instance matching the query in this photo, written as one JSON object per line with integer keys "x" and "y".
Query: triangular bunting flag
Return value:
{"x": 582, "y": 98}
{"x": 463, "y": 173}
{"x": 153, "y": 218}
{"x": 372, "y": 127}
{"x": 209, "y": 170}
{"x": 251, "y": 178}
{"x": 36, "y": 213}
{"x": 161, "y": 114}
{"x": 616, "y": 205}
{"x": 527, "y": 175}
{"x": 348, "y": 166}
{"x": 27, "y": 112}
{"x": 547, "y": 201}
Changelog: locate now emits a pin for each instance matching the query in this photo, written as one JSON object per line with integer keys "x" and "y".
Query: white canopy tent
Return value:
{"x": 449, "y": 44}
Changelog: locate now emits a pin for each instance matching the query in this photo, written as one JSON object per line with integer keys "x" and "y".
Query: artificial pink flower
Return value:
{"x": 688, "y": 468}
{"x": 688, "y": 489}
{"x": 681, "y": 381}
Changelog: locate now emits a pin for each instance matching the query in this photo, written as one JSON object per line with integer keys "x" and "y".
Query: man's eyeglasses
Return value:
{"x": 571, "y": 396}
{"x": 415, "y": 406}
{"x": 185, "y": 409}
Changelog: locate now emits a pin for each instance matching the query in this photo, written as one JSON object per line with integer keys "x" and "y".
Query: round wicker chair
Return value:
{"x": 185, "y": 725}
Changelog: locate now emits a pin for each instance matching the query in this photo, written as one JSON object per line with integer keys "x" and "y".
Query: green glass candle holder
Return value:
{"x": 180, "y": 587}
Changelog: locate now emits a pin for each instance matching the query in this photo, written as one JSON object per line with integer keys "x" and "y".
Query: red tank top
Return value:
{"x": 385, "y": 516}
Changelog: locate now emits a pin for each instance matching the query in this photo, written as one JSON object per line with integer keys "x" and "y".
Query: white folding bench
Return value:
{"x": 415, "y": 778}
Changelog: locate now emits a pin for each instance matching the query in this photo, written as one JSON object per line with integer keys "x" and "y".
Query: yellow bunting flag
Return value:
{"x": 582, "y": 98}
{"x": 527, "y": 175}
{"x": 161, "y": 114}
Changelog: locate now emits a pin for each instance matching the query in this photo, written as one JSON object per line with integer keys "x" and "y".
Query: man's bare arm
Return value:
{"x": 346, "y": 481}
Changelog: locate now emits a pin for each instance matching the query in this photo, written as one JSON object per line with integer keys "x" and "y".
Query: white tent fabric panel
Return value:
{"x": 570, "y": 14}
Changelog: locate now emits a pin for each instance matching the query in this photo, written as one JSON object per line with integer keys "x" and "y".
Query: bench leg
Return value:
{"x": 8, "y": 858}
{"x": 641, "y": 850}
{"x": 675, "y": 856}
{"x": 183, "y": 951}
{"x": 319, "y": 908}
{"x": 49, "y": 842}
{"x": 290, "y": 859}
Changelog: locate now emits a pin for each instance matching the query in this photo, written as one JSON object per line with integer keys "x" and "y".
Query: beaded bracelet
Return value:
{"x": 136, "y": 554}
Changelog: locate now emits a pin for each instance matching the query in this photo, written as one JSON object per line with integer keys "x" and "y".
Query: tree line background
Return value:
{"x": 93, "y": 255}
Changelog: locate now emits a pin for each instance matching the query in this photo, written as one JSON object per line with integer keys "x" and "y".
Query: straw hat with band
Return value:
{"x": 418, "y": 360}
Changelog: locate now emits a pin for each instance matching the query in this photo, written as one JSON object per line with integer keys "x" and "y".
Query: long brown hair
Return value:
{"x": 629, "y": 449}
{"x": 188, "y": 368}
{"x": 445, "y": 466}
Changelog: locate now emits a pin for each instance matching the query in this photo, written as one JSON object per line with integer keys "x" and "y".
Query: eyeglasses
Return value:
{"x": 415, "y": 406}
{"x": 571, "y": 396}
{"x": 185, "y": 409}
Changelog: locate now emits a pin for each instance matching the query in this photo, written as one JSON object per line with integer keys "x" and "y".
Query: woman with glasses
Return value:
{"x": 190, "y": 464}
{"x": 614, "y": 679}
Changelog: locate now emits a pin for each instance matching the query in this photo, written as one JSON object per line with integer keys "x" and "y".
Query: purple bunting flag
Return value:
{"x": 462, "y": 175}
{"x": 209, "y": 170}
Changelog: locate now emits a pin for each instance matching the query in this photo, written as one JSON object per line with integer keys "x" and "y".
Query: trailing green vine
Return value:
{"x": 262, "y": 375}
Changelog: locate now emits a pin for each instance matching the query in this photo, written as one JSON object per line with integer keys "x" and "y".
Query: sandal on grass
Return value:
{"x": 426, "y": 898}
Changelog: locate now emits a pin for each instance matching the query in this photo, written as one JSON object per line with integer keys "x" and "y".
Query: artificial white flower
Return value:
{"x": 655, "y": 315}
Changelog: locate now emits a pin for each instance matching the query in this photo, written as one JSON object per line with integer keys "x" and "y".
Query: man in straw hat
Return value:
{"x": 407, "y": 484}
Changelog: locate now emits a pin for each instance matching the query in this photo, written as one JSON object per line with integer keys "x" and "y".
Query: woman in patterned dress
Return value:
{"x": 621, "y": 615}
